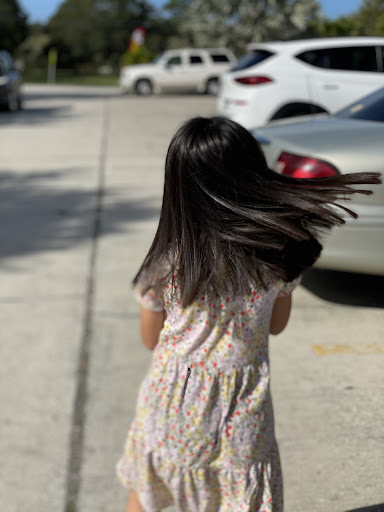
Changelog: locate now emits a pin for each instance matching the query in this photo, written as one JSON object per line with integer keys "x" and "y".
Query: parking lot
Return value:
{"x": 81, "y": 174}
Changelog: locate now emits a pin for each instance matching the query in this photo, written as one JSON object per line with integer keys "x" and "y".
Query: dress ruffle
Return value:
{"x": 256, "y": 489}
{"x": 199, "y": 453}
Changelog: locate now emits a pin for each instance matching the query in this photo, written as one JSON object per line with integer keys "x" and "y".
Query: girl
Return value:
{"x": 233, "y": 239}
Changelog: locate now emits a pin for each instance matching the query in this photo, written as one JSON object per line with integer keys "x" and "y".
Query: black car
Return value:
{"x": 10, "y": 83}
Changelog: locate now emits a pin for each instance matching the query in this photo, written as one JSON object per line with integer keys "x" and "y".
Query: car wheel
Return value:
{"x": 212, "y": 86}
{"x": 143, "y": 87}
{"x": 297, "y": 109}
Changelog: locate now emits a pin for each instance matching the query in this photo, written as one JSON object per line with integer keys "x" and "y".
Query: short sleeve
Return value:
{"x": 288, "y": 288}
{"x": 151, "y": 299}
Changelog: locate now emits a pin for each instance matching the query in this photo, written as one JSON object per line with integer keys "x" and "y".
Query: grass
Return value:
{"x": 64, "y": 76}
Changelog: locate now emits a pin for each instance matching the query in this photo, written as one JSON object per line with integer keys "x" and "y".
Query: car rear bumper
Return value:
{"x": 249, "y": 106}
{"x": 240, "y": 110}
{"x": 357, "y": 246}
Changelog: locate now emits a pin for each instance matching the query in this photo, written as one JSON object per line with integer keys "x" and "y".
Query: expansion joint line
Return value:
{"x": 76, "y": 442}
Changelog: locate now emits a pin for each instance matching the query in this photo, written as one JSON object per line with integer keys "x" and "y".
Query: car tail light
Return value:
{"x": 298, "y": 166}
{"x": 253, "y": 80}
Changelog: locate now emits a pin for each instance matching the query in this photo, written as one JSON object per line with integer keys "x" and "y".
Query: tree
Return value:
{"x": 119, "y": 19}
{"x": 234, "y": 23}
{"x": 344, "y": 26}
{"x": 370, "y": 18}
{"x": 161, "y": 31}
{"x": 139, "y": 56}
{"x": 89, "y": 33}
{"x": 13, "y": 25}
{"x": 33, "y": 49}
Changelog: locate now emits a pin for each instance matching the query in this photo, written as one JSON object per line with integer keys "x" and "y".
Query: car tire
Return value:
{"x": 13, "y": 102}
{"x": 212, "y": 86}
{"x": 143, "y": 87}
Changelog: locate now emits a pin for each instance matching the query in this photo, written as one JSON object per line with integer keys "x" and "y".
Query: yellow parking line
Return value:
{"x": 334, "y": 348}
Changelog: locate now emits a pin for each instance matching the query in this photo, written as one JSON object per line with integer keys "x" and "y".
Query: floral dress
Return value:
{"x": 203, "y": 435}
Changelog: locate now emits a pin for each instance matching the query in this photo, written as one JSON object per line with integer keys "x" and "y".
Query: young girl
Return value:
{"x": 233, "y": 239}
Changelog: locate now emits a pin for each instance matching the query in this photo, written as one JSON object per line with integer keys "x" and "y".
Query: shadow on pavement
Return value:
{"x": 39, "y": 215}
{"x": 31, "y": 116}
{"x": 372, "y": 508}
{"x": 345, "y": 288}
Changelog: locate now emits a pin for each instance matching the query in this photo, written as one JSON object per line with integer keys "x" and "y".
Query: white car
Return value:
{"x": 349, "y": 141}
{"x": 185, "y": 69}
{"x": 283, "y": 79}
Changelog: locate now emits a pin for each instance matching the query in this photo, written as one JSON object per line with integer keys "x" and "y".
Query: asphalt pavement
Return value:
{"x": 81, "y": 176}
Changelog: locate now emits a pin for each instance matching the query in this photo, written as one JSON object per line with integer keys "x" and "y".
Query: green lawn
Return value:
{"x": 68, "y": 77}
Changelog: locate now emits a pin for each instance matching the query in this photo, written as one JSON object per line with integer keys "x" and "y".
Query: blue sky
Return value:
{"x": 42, "y": 10}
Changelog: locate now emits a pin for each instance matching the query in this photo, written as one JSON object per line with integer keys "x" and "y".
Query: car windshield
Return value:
{"x": 369, "y": 108}
{"x": 156, "y": 59}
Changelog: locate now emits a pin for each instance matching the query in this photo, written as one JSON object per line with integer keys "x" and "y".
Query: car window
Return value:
{"x": 174, "y": 61}
{"x": 195, "y": 59}
{"x": 251, "y": 59}
{"x": 219, "y": 57}
{"x": 354, "y": 58}
{"x": 370, "y": 108}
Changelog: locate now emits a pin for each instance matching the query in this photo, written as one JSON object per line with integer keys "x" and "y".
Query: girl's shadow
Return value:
{"x": 372, "y": 508}
{"x": 345, "y": 288}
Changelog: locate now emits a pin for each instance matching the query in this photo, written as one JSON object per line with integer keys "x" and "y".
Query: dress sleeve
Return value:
{"x": 288, "y": 288}
{"x": 151, "y": 299}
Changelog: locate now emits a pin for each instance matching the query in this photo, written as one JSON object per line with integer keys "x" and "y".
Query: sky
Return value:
{"x": 42, "y": 10}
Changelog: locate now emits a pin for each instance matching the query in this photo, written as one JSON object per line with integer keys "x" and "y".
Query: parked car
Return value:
{"x": 186, "y": 69}
{"x": 347, "y": 142}
{"x": 10, "y": 83}
{"x": 282, "y": 79}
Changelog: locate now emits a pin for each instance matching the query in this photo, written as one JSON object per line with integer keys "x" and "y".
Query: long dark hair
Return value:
{"x": 227, "y": 219}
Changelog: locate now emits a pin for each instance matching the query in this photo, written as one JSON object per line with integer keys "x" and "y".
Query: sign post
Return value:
{"x": 52, "y": 65}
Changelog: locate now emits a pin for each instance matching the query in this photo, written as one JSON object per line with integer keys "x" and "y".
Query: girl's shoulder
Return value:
{"x": 284, "y": 288}
{"x": 149, "y": 298}
{"x": 165, "y": 292}
{"x": 149, "y": 289}
{"x": 269, "y": 284}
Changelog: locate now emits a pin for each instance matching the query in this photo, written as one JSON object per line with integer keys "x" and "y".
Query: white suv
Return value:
{"x": 283, "y": 79}
{"x": 197, "y": 69}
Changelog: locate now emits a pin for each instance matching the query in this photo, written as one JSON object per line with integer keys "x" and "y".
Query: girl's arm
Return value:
{"x": 280, "y": 314}
{"x": 151, "y": 323}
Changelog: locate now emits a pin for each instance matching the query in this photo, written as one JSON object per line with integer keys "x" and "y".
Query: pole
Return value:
{"x": 52, "y": 65}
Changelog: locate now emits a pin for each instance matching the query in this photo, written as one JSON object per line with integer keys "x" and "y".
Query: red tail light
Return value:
{"x": 253, "y": 80}
{"x": 304, "y": 167}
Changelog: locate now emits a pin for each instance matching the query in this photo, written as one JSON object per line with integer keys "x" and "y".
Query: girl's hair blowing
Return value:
{"x": 227, "y": 219}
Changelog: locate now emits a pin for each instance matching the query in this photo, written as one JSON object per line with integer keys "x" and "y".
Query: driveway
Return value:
{"x": 81, "y": 174}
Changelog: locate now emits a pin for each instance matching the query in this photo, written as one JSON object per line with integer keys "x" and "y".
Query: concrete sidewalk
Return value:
{"x": 82, "y": 173}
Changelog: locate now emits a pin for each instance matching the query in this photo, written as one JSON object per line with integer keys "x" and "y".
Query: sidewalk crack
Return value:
{"x": 76, "y": 441}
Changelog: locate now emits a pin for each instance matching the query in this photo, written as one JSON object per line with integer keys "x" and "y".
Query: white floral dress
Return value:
{"x": 203, "y": 435}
